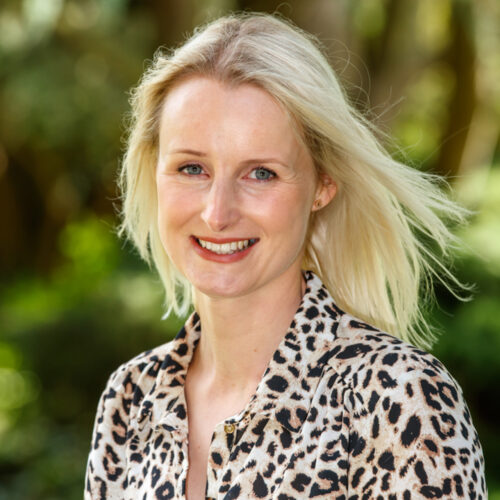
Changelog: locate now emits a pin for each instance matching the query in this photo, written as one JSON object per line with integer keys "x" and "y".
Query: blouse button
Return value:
{"x": 229, "y": 428}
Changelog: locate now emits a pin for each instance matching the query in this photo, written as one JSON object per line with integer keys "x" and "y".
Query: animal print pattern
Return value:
{"x": 343, "y": 411}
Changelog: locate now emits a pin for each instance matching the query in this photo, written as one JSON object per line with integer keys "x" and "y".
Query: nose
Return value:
{"x": 220, "y": 211}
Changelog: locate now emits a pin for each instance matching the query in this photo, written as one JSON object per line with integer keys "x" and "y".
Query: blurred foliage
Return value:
{"x": 75, "y": 302}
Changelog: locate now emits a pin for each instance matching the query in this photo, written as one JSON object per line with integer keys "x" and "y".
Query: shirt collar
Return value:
{"x": 286, "y": 389}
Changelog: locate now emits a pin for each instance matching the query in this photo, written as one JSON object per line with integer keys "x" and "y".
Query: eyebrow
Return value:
{"x": 186, "y": 151}
{"x": 245, "y": 162}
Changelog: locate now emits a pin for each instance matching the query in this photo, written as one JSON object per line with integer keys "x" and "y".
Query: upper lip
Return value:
{"x": 220, "y": 241}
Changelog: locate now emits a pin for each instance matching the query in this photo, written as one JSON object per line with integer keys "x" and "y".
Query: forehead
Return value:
{"x": 203, "y": 109}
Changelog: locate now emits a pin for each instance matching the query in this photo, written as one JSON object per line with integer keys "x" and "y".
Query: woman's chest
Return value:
{"x": 282, "y": 453}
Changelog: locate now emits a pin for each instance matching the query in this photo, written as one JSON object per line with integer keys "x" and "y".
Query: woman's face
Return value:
{"x": 235, "y": 187}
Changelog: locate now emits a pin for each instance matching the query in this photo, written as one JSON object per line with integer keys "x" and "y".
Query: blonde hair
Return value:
{"x": 367, "y": 244}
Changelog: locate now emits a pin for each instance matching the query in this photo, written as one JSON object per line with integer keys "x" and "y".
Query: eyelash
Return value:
{"x": 184, "y": 168}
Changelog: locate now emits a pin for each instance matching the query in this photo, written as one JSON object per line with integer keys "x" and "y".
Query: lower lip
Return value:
{"x": 223, "y": 258}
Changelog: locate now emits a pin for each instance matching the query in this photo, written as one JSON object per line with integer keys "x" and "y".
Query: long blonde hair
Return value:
{"x": 367, "y": 244}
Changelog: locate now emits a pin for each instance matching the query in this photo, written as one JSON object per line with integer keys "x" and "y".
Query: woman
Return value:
{"x": 263, "y": 197}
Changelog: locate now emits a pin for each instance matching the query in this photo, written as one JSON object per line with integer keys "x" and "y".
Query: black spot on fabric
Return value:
{"x": 119, "y": 438}
{"x": 270, "y": 470}
{"x": 409, "y": 390}
{"x": 320, "y": 326}
{"x": 286, "y": 439}
{"x": 420, "y": 472}
{"x": 448, "y": 394}
{"x": 227, "y": 476}
{"x": 386, "y": 482}
{"x": 300, "y": 482}
{"x": 313, "y": 414}
{"x": 325, "y": 475}
{"x": 431, "y": 445}
{"x": 431, "y": 492}
{"x": 394, "y": 413}
{"x": 136, "y": 457}
{"x": 386, "y": 380}
{"x": 412, "y": 431}
{"x": 356, "y": 477}
{"x": 217, "y": 458}
{"x": 259, "y": 487}
{"x": 386, "y": 461}
{"x": 312, "y": 312}
{"x": 180, "y": 411}
{"x": 165, "y": 491}
{"x": 464, "y": 431}
{"x": 138, "y": 396}
{"x": 277, "y": 383}
{"x": 233, "y": 493}
{"x": 373, "y": 401}
{"x": 182, "y": 349}
{"x": 359, "y": 324}
{"x": 443, "y": 433}
{"x": 375, "y": 427}
{"x": 367, "y": 379}
{"x": 449, "y": 463}
{"x": 259, "y": 428}
{"x": 458, "y": 485}
{"x": 446, "y": 486}
{"x": 279, "y": 358}
{"x": 429, "y": 392}
{"x": 353, "y": 351}
{"x": 310, "y": 343}
{"x": 155, "y": 475}
{"x": 390, "y": 359}
{"x": 356, "y": 444}
{"x": 406, "y": 495}
{"x": 284, "y": 418}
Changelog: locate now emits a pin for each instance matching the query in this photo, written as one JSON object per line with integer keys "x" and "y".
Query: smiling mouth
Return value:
{"x": 226, "y": 248}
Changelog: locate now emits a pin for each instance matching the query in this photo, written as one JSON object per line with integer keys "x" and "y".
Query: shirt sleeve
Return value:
{"x": 411, "y": 437}
{"x": 106, "y": 467}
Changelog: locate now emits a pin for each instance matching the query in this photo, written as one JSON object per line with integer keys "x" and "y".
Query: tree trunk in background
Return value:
{"x": 462, "y": 59}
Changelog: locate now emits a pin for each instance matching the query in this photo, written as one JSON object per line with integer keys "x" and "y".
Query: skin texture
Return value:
{"x": 230, "y": 167}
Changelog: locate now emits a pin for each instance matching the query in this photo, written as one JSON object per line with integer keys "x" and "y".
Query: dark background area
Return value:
{"x": 75, "y": 302}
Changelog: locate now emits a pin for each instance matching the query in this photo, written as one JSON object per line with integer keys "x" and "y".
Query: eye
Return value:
{"x": 191, "y": 169}
{"x": 262, "y": 174}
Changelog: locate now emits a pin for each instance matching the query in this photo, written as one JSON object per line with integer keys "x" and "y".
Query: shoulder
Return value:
{"x": 406, "y": 413}
{"x": 363, "y": 349}
{"x": 132, "y": 381}
{"x": 386, "y": 377}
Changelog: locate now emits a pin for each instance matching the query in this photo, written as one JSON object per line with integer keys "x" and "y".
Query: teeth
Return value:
{"x": 226, "y": 248}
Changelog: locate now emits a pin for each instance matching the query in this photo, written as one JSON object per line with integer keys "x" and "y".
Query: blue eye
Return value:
{"x": 191, "y": 169}
{"x": 262, "y": 174}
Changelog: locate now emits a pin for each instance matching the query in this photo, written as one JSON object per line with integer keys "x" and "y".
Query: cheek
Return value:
{"x": 174, "y": 209}
{"x": 286, "y": 212}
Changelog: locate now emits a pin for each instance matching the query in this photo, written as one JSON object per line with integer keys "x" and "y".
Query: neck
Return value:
{"x": 240, "y": 334}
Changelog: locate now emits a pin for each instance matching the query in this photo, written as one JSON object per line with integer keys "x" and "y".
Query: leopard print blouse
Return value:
{"x": 343, "y": 411}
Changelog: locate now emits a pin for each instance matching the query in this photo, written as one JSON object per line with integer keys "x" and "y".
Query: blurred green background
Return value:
{"x": 75, "y": 302}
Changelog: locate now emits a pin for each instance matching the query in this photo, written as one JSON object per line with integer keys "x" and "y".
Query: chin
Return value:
{"x": 219, "y": 286}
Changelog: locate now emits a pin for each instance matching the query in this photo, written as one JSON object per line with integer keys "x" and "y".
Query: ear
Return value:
{"x": 327, "y": 189}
